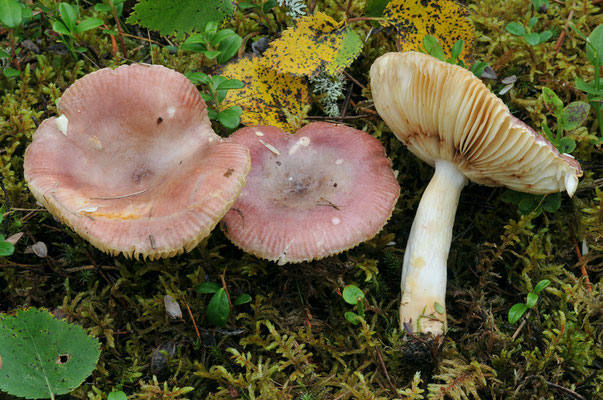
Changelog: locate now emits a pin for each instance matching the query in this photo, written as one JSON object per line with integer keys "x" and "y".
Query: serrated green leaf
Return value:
{"x": 242, "y": 299}
{"x": 516, "y": 312}
{"x": 185, "y": 16}
{"x": 231, "y": 117}
{"x": 515, "y": 28}
{"x": 350, "y": 48}
{"x": 352, "y": 294}
{"x": 574, "y": 115}
{"x": 11, "y": 13}
{"x": 88, "y": 24}
{"x": 207, "y": 287}
{"x": 218, "y": 308}
{"x": 540, "y": 286}
{"x": 531, "y": 299}
{"x": 596, "y": 46}
{"x": 43, "y": 356}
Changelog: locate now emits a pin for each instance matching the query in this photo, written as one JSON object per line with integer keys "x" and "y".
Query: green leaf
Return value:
{"x": 198, "y": 77}
{"x": 221, "y": 35}
{"x": 4, "y": 54}
{"x": 242, "y": 299}
{"x": 478, "y": 68}
{"x": 566, "y": 145}
{"x": 532, "y": 21}
{"x": 374, "y": 8}
{"x": 11, "y": 72}
{"x": 512, "y": 197}
{"x": 43, "y": 356}
{"x": 552, "y": 102}
{"x": 269, "y": 5}
{"x": 532, "y": 38}
{"x": 230, "y": 84}
{"x": 457, "y": 48}
{"x": 60, "y": 27}
{"x": 549, "y": 134}
{"x": 352, "y": 294}
{"x": 516, "y": 312}
{"x": 596, "y": 46}
{"x": 68, "y": 15}
{"x": 88, "y": 24}
{"x": 211, "y": 27}
{"x": 515, "y": 28}
{"x": 229, "y": 47}
{"x": 244, "y": 5}
{"x": 588, "y": 88}
{"x": 574, "y": 115}
{"x": 207, "y": 97}
{"x": 528, "y": 204}
{"x": 102, "y": 7}
{"x": 11, "y": 13}
{"x": 207, "y": 287}
{"x": 438, "y": 52}
{"x": 6, "y": 249}
{"x": 531, "y": 300}
{"x": 184, "y": 16}
{"x": 350, "y": 48}
{"x": 352, "y": 317}
{"x": 117, "y": 396}
{"x": 429, "y": 42}
{"x": 211, "y": 54}
{"x": 218, "y": 308}
{"x": 552, "y": 202}
{"x": 439, "y": 308}
{"x": 231, "y": 117}
{"x": 544, "y": 36}
{"x": 541, "y": 285}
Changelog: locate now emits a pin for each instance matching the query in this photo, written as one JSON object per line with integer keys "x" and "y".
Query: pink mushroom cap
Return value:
{"x": 133, "y": 165}
{"x": 318, "y": 192}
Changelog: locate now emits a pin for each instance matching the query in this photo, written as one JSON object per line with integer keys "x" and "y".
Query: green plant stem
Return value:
{"x": 597, "y": 104}
{"x": 13, "y": 52}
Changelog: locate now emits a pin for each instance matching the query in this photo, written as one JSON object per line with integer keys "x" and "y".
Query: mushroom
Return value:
{"x": 448, "y": 118}
{"x": 132, "y": 164}
{"x": 318, "y": 192}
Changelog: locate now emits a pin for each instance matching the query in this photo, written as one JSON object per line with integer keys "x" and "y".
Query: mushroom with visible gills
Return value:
{"x": 448, "y": 118}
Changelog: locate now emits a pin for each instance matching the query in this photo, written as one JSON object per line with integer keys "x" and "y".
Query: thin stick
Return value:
{"x": 120, "y": 196}
{"x": 385, "y": 370}
{"x": 523, "y": 323}
{"x": 350, "y": 77}
{"x": 564, "y": 33}
{"x": 192, "y": 319}
{"x": 343, "y": 117}
{"x": 89, "y": 267}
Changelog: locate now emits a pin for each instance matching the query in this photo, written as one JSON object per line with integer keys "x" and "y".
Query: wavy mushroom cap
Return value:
{"x": 442, "y": 111}
{"x": 133, "y": 165}
{"x": 318, "y": 192}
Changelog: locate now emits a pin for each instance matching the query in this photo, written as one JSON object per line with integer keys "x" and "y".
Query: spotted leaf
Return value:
{"x": 178, "y": 17}
{"x": 446, "y": 20}
{"x": 316, "y": 42}
{"x": 266, "y": 93}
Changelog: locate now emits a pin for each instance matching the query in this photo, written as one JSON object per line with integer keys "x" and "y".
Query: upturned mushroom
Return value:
{"x": 318, "y": 192}
{"x": 448, "y": 118}
{"x": 132, "y": 163}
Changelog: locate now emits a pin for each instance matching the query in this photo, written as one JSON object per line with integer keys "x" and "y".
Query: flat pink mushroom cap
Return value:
{"x": 318, "y": 192}
{"x": 132, "y": 164}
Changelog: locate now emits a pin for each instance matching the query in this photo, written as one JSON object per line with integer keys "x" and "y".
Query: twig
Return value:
{"x": 523, "y": 323}
{"x": 223, "y": 278}
{"x": 565, "y": 390}
{"x": 346, "y": 102}
{"x": 350, "y": 77}
{"x": 583, "y": 271}
{"x": 192, "y": 319}
{"x": 385, "y": 370}
{"x": 319, "y": 117}
{"x": 89, "y": 267}
{"x": 564, "y": 33}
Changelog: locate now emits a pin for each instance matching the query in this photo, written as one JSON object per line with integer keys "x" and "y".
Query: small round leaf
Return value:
{"x": 218, "y": 308}
{"x": 517, "y": 312}
{"x": 351, "y": 294}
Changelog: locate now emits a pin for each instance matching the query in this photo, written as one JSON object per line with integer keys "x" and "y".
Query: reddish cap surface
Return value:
{"x": 318, "y": 192}
{"x": 132, "y": 164}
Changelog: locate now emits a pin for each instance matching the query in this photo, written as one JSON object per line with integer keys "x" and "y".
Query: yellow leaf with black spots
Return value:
{"x": 446, "y": 20}
{"x": 317, "y": 41}
{"x": 266, "y": 93}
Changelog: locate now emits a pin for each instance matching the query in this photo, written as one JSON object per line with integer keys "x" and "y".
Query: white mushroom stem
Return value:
{"x": 424, "y": 272}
